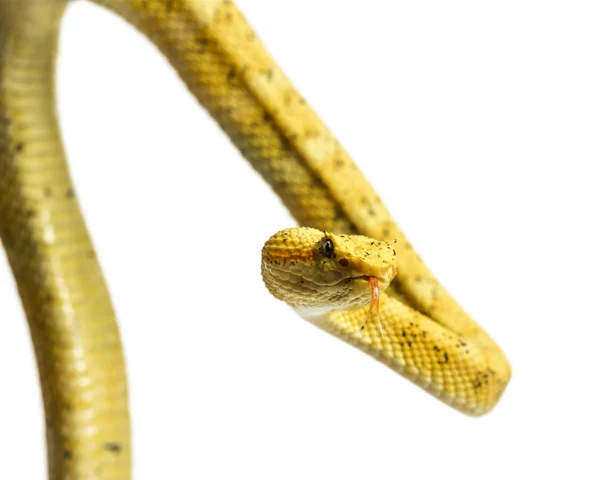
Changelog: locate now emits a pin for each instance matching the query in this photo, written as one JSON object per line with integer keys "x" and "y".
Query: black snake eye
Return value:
{"x": 327, "y": 247}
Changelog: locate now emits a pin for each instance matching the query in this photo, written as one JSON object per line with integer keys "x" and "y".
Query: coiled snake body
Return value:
{"x": 426, "y": 336}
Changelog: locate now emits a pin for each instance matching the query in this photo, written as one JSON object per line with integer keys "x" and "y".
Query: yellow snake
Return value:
{"x": 425, "y": 335}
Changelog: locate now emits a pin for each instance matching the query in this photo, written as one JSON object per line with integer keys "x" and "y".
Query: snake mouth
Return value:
{"x": 369, "y": 278}
{"x": 384, "y": 279}
{"x": 374, "y": 283}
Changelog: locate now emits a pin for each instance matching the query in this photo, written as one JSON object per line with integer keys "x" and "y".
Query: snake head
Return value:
{"x": 316, "y": 271}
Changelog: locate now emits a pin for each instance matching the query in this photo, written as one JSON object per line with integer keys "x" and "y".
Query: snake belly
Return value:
{"x": 428, "y": 337}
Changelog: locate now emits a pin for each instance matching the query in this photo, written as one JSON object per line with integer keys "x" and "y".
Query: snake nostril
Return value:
{"x": 343, "y": 262}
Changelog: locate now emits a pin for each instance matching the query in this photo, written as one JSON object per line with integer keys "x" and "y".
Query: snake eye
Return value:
{"x": 327, "y": 247}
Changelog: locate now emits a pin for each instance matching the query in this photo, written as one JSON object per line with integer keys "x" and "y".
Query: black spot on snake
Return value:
{"x": 113, "y": 447}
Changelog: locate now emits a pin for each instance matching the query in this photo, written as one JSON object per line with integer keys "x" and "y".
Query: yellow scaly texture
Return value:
{"x": 429, "y": 338}
{"x": 297, "y": 270}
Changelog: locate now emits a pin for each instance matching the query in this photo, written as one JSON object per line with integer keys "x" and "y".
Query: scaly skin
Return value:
{"x": 428, "y": 337}
{"x": 297, "y": 270}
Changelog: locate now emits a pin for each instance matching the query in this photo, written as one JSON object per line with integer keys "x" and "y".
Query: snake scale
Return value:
{"x": 428, "y": 337}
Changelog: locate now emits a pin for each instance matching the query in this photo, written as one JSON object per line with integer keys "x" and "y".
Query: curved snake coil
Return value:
{"x": 428, "y": 338}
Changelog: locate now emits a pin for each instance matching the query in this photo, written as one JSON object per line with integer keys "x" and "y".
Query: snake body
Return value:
{"x": 427, "y": 336}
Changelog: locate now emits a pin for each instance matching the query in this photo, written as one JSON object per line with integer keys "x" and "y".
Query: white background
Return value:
{"x": 478, "y": 123}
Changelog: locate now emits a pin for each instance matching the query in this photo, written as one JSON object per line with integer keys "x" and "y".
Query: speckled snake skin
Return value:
{"x": 428, "y": 338}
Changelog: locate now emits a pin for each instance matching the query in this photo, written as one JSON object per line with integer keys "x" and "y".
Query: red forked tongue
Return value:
{"x": 374, "y": 294}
